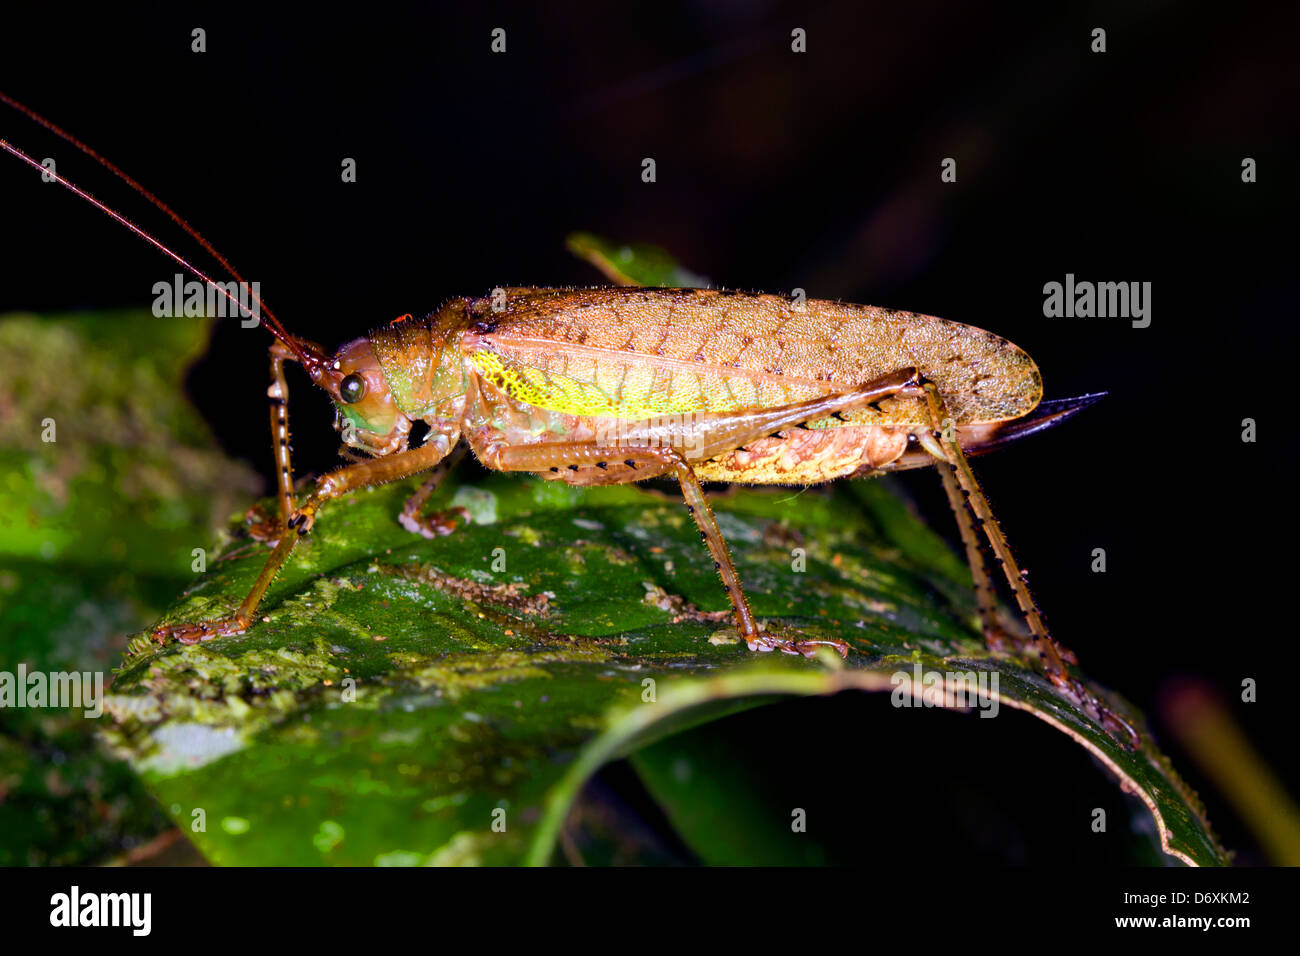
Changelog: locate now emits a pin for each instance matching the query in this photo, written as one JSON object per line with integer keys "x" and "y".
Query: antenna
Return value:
{"x": 308, "y": 356}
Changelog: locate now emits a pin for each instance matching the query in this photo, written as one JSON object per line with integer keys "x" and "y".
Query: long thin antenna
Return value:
{"x": 273, "y": 323}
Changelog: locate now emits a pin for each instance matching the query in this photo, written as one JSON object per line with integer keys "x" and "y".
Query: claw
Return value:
{"x": 808, "y": 648}
{"x": 437, "y": 524}
{"x": 302, "y": 520}
{"x": 1116, "y": 726}
{"x": 1072, "y": 688}
{"x": 262, "y": 527}
{"x": 197, "y": 631}
{"x": 1119, "y": 727}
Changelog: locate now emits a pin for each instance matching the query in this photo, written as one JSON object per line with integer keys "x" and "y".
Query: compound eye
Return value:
{"x": 352, "y": 389}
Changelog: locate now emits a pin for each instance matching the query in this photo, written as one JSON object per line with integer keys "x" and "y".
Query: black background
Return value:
{"x": 775, "y": 170}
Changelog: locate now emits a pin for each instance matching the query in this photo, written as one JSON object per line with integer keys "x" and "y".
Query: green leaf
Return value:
{"x": 633, "y": 263}
{"x": 481, "y": 690}
{"x": 110, "y": 480}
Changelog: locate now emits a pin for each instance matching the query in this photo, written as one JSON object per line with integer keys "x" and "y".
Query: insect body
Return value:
{"x": 605, "y": 386}
{"x": 615, "y": 385}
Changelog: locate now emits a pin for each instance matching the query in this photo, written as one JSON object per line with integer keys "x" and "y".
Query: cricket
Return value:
{"x": 614, "y": 385}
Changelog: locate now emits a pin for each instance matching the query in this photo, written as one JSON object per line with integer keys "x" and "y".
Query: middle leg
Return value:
{"x": 434, "y": 524}
{"x": 648, "y": 462}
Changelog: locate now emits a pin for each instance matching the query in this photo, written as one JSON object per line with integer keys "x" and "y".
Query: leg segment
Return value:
{"x": 430, "y": 525}
{"x": 378, "y": 471}
{"x": 261, "y": 527}
{"x": 278, "y": 392}
{"x": 707, "y": 435}
{"x": 942, "y": 442}
{"x": 650, "y": 463}
{"x": 974, "y": 555}
{"x": 944, "y": 435}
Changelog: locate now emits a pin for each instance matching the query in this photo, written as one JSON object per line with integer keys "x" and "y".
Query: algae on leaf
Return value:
{"x": 111, "y": 480}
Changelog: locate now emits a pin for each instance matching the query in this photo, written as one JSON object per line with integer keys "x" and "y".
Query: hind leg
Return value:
{"x": 942, "y": 442}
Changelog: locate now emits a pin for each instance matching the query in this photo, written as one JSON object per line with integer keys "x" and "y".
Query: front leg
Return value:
{"x": 378, "y": 471}
{"x": 261, "y": 527}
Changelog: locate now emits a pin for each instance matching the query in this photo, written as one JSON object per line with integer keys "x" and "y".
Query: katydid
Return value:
{"x": 614, "y": 385}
